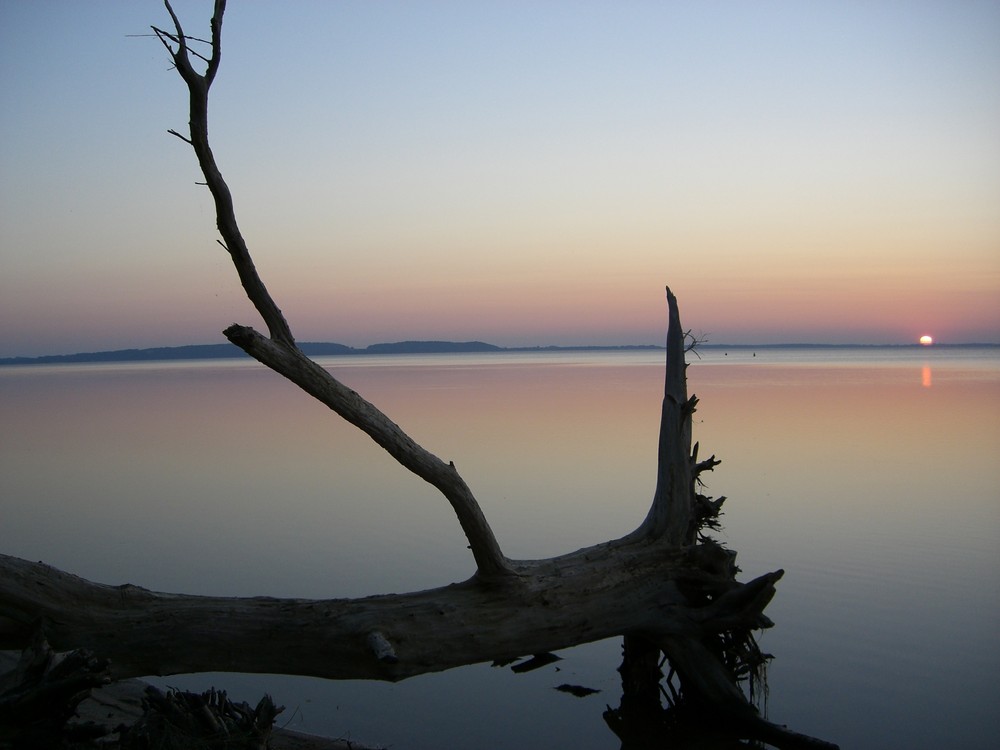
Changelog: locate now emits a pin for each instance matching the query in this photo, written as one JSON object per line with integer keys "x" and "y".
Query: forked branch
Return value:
{"x": 280, "y": 353}
{"x": 198, "y": 85}
{"x": 669, "y": 518}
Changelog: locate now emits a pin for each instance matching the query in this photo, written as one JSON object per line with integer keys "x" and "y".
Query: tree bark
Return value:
{"x": 595, "y": 593}
{"x": 670, "y": 515}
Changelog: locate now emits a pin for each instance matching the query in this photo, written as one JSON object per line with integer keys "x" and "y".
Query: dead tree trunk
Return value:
{"x": 662, "y": 584}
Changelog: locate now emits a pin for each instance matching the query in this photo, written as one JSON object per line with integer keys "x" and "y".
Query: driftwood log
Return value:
{"x": 664, "y": 585}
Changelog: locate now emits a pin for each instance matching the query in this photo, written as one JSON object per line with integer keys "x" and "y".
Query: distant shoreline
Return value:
{"x": 321, "y": 349}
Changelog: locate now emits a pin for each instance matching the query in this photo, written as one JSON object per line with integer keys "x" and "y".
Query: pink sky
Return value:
{"x": 526, "y": 175}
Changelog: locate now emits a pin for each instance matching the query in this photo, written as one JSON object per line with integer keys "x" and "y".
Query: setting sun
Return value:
{"x": 926, "y": 340}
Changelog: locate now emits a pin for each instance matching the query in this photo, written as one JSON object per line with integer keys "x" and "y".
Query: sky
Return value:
{"x": 521, "y": 173}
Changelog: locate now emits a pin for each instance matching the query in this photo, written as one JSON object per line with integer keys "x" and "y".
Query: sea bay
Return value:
{"x": 869, "y": 475}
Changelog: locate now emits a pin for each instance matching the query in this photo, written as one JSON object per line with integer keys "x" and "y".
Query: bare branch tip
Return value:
{"x": 183, "y": 138}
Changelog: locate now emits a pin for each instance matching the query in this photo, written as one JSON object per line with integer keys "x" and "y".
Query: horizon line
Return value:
{"x": 228, "y": 350}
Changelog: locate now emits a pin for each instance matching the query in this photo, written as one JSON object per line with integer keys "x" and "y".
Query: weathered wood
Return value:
{"x": 208, "y": 720}
{"x": 279, "y": 351}
{"x": 319, "y": 383}
{"x": 40, "y": 693}
{"x": 198, "y": 86}
{"x": 670, "y": 515}
{"x": 595, "y": 593}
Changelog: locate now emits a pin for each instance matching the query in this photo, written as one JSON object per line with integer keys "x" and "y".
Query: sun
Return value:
{"x": 926, "y": 340}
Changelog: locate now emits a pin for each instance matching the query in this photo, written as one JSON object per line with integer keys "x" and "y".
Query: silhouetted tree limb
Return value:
{"x": 598, "y": 592}
{"x": 290, "y": 362}
{"x": 669, "y": 517}
{"x": 280, "y": 352}
{"x": 198, "y": 86}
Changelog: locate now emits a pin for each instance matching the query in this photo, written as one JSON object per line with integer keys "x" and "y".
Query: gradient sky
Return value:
{"x": 525, "y": 173}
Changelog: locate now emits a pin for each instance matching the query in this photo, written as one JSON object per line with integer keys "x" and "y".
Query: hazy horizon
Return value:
{"x": 506, "y": 341}
{"x": 525, "y": 174}
{"x": 531, "y": 347}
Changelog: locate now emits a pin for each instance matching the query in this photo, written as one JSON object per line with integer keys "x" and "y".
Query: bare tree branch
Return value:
{"x": 319, "y": 383}
{"x": 198, "y": 87}
{"x": 280, "y": 353}
{"x": 669, "y": 517}
{"x": 551, "y": 604}
{"x": 183, "y": 138}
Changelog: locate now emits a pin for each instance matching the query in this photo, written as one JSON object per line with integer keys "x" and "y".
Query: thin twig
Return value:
{"x": 183, "y": 138}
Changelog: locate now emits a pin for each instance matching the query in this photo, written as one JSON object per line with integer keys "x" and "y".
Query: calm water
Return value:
{"x": 870, "y": 475}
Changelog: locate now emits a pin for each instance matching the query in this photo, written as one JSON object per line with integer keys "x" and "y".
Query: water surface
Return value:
{"x": 869, "y": 475}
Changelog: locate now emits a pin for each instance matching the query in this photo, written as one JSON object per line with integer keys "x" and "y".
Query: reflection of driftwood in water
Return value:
{"x": 662, "y": 583}
{"x": 642, "y": 722}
